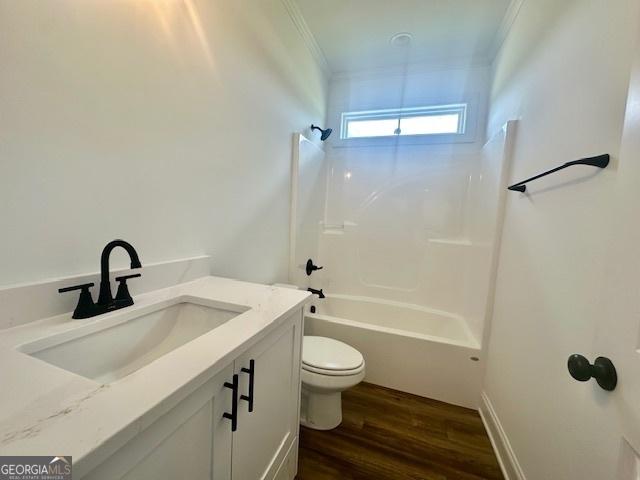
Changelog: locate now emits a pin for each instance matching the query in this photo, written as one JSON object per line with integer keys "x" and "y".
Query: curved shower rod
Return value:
{"x": 601, "y": 161}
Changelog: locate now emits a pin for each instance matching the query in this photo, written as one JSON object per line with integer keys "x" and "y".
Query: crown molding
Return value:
{"x": 505, "y": 27}
{"x": 312, "y": 45}
{"x": 307, "y": 36}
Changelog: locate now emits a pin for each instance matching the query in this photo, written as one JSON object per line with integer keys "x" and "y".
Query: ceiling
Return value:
{"x": 355, "y": 34}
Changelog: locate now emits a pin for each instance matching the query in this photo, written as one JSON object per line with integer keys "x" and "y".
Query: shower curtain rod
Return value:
{"x": 600, "y": 161}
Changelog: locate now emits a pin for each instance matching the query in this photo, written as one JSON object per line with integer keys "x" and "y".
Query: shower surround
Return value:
{"x": 407, "y": 244}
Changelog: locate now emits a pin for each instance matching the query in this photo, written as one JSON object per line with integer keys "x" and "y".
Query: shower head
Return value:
{"x": 325, "y": 133}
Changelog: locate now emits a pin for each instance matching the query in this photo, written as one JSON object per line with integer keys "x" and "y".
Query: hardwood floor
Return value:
{"x": 390, "y": 435}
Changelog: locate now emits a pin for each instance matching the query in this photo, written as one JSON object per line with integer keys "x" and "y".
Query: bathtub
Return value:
{"x": 406, "y": 347}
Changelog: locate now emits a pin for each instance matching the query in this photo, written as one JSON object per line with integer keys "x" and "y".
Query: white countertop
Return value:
{"x": 45, "y": 410}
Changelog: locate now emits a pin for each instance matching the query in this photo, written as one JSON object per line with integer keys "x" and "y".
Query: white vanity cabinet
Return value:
{"x": 265, "y": 436}
{"x": 194, "y": 440}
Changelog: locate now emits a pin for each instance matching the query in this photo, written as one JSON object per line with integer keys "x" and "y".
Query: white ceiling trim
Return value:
{"x": 308, "y": 37}
{"x": 505, "y": 27}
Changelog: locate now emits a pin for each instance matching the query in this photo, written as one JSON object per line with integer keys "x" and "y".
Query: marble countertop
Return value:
{"x": 45, "y": 410}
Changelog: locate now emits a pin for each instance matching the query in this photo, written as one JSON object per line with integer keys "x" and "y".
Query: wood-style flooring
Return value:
{"x": 391, "y": 435}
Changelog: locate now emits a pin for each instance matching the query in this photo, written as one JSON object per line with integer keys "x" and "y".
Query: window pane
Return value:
{"x": 428, "y": 120}
{"x": 372, "y": 128}
{"x": 430, "y": 124}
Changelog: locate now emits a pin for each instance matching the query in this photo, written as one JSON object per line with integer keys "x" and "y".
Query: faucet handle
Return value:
{"x": 123, "y": 297}
{"x": 310, "y": 267}
{"x": 83, "y": 287}
{"x": 85, "y": 307}
{"x": 124, "y": 278}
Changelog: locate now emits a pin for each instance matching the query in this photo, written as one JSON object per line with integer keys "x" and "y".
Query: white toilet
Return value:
{"x": 329, "y": 367}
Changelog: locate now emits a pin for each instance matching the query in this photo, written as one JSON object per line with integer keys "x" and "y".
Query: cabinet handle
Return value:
{"x": 233, "y": 416}
{"x": 252, "y": 372}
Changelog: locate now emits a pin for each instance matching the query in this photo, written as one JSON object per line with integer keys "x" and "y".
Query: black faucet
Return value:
{"x": 86, "y": 308}
{"x": 105, "y": 298}
{"x": 320, "y": 293}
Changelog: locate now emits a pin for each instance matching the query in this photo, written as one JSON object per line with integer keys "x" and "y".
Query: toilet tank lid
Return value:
{"x": 329, "y": 354}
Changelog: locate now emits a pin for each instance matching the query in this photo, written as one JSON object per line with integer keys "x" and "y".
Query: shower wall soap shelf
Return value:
{"x": 601, "y": 161}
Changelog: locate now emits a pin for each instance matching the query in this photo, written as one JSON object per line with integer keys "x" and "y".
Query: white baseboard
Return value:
{"x": 506, "y": 457}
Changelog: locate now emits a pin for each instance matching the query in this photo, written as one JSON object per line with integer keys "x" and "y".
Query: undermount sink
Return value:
{"x": 109, "y": 352}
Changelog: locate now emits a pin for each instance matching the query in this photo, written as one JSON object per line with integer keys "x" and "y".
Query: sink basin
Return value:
{"x": 110, "y": 351}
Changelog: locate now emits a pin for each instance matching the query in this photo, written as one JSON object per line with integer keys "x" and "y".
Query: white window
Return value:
{"x": 403, "y": 122}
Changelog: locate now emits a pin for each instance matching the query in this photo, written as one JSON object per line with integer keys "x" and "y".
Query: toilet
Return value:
{"x": 329, "y": 367}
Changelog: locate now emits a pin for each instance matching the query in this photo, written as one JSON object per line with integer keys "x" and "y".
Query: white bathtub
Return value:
{"x": 406, "y": 347}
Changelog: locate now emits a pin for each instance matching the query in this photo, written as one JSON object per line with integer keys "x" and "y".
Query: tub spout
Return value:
{"x": 320, "y": 293}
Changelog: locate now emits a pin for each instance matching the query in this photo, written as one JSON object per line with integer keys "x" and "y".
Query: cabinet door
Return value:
{"x": 265, "y": 435}
{"x": 193, "y": 440}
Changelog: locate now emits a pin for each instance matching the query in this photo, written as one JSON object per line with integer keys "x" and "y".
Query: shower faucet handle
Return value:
{"x": 310, "y": 267}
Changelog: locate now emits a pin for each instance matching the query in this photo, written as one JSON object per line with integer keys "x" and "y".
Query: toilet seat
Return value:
{"x": 333, "y": 373}
{"x": 326, "y": 356}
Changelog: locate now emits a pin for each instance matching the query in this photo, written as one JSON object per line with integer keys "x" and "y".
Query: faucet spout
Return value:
{"x": 105, "y": 298}
{"x": 320, "y": 293}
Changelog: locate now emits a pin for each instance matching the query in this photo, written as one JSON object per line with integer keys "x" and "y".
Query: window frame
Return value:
{"x": 467, "y": 130}
{"x": 401, "y": 113}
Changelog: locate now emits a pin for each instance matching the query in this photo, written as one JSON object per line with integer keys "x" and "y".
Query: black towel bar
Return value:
{"x": 601, "y": 161}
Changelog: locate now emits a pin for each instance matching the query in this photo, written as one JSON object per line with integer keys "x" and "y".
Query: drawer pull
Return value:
{"x": 252, "y": 372}
{"x": 233, "y": 416}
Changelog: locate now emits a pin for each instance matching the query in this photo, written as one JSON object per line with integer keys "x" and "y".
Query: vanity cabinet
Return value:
{"x": 194, "y": 439}
{"x": 265, "y": 435}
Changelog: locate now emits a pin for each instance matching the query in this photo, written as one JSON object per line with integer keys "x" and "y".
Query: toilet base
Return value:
{"x": 320, "y": 410}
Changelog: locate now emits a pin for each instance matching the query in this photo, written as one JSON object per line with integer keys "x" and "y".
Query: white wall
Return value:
{"x": 164, "y": 122}
{"x": 564, "y": 72}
